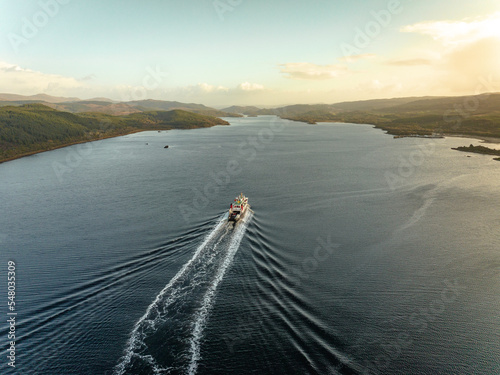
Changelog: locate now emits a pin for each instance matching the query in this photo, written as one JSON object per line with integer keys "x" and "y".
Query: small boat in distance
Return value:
{"x": 238, "y": 208}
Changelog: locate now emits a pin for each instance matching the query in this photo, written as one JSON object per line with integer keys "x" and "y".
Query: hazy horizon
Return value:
{"x": 227, "y": 105}
{"x": 233, "y": 52}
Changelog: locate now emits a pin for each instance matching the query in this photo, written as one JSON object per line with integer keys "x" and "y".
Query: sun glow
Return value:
{"x": 458, "y": 32}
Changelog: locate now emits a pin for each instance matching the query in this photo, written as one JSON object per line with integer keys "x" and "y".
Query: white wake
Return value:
{"x": 202, "y": 314}
{"x": 148, "y": 320}
{"x": 190, "y": 292}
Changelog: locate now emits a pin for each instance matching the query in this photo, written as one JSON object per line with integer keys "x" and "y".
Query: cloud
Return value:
{"x": 89, "y": 77}
{"x": 381, "y": 86}
{"x": 212, "y": 94}
{"x": 363, "y": 56}
{"x": 26, "y": 81}
{"x": 465, "y": 67}
{"x": 247, "y": 86}
{"x": 463, "y": 53}
{"x": 309, "y": 71}
{"x": 451, "y": 33}
{"x": 205, "y": 87}
{"x": 410, "y": 62}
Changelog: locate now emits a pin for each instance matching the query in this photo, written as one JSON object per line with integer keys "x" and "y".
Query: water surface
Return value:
{"x": 365, "y": 254}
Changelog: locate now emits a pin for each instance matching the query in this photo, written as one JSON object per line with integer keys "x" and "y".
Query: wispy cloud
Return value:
{"x": 458, "y": 32}
{"x": 247, "y": 86}
{"x": 89, "y": 77}
{"x": 26, "y": 81}
{"x": 213, "y": 94}
{"x": 465, "y": 65}
{"x": 463, "y": 51}
{"x": 353, "y": 58}
{"x": 409, "y": 62}
{"x": 378, "y": 86}
{"x": 310, "y": 71}
{"x": 207, "y": 88}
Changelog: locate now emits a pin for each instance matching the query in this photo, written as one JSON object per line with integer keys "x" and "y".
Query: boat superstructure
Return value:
{"x": 238, "y": 208}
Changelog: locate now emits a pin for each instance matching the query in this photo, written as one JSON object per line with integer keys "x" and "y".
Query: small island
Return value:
{"x": 479, "y": 150}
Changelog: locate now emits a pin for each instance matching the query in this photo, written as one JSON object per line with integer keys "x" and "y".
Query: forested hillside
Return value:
{"x": 476, "y": 115}
{"x": 32, "y": 128}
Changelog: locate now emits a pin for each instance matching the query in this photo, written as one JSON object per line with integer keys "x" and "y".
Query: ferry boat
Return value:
{"x": 238, "y": 208}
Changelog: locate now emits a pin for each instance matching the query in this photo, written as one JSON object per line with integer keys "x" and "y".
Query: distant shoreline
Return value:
{"x": 30, "y": 153}
{"x": 485, "y": 139}
{"x": 133, "y": 131}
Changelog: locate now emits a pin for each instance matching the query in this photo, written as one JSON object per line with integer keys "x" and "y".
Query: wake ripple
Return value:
{"x": 202, "y": 314}
{"x": 166, "y": 339}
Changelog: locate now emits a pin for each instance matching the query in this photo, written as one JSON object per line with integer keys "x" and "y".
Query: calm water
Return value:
{"x": 364, "y": 255}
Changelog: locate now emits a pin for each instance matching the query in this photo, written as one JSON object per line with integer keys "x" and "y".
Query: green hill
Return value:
{"x": 112, "y": 108}
{"x": 477, "y": 115}
{"x": 162, "y": 105}
{"x": 375, "y": 104}
{"x": 32, "y": 128}
{"x": 174, "y": 119}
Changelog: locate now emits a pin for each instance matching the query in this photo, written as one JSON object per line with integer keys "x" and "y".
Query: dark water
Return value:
{"x": 364, "y": 255}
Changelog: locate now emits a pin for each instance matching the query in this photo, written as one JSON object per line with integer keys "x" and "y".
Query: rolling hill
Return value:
{"x": 104, "y": 105}
{"x": 161, "y": 105}
{"x": 476, "y": 115}
{"x": 34, "y": 127}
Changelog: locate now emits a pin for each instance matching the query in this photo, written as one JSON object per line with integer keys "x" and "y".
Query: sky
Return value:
{"x": 249, "y": 52}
